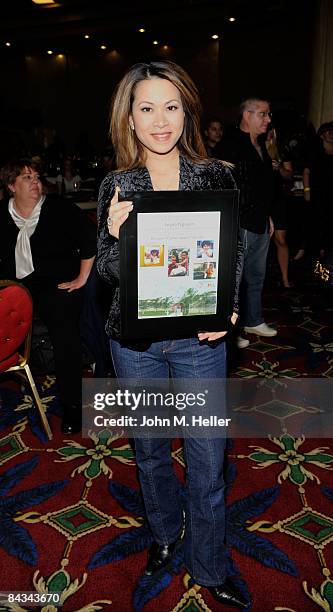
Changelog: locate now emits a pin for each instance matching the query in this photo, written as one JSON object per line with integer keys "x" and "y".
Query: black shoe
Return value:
{"x": 159, "y": 557}
{"x": 227, "y": 595}
{"x": 71, "y": 421}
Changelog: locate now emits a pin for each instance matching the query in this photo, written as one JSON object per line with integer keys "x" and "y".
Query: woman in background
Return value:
{"x": 69, "y": 180}
{"x": 155, "y": 130}
{"x": 49, "y": 245}
{"x": 283, "y": 171}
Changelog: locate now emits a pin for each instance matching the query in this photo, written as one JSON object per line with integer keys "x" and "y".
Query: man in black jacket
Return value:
{"x": 254, "y": 177}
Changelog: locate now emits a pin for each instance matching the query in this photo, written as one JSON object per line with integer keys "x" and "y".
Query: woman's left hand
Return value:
{"x": 211, "y": 336}
{"x": 76, "y": 283}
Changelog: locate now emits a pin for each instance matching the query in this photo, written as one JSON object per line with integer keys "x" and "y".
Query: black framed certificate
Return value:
{"x": 177, "y": 263}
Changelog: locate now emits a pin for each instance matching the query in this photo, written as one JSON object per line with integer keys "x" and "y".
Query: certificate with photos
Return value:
{"x": 177, "y": 263}
{"x": 178, "y": 269}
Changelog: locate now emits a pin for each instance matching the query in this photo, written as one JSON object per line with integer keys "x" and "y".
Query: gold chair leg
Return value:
{"x": 38, "y": 402}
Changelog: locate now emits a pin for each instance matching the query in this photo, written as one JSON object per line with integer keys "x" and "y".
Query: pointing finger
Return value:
{"x": 115, "y": 197}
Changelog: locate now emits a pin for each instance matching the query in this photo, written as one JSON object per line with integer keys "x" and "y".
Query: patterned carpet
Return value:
{"x": 72, "y": 519}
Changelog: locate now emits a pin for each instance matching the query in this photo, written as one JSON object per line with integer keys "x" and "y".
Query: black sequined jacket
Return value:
{"x": 193, "y": 177}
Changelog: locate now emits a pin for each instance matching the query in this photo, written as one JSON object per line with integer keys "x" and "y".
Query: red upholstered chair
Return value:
{"x": 15, "y": 332}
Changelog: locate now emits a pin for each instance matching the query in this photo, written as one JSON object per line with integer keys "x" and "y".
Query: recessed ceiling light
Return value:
{"x": 49, "y": 52}
{"x": 142, "y": 30}
{"x": 232, "y": 18}
{"x": 155, "y": 42}
{"x": 87, "y": 36}
{"x": 215, "y": 36}
{"x": 103, "y": 47}
{"x": 8, "y": 44}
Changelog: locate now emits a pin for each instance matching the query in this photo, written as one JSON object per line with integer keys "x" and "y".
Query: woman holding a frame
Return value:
{"x": 155, "y": 130}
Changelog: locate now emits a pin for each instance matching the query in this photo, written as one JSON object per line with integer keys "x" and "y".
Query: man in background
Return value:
{"x": 213, "y": 135}
{"x": 254, "y": 176}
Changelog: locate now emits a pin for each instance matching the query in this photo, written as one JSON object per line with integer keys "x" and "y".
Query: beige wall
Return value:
{"x": 321, "y": 94}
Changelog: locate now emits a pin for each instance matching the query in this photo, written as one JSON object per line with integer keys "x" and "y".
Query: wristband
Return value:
{"x": 306, "y": 189}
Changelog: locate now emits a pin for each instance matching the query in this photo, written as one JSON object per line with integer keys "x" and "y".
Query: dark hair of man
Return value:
{"x": 129, "y": 151}
{"x": 13, "y": 169}
{"x": 211, "y": 120}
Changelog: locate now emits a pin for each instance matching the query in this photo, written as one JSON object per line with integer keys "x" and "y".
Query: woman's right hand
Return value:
{"x": 118, "y": 213}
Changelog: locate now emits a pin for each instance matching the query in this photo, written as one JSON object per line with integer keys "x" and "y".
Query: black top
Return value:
{"x": 320, "y": 165}
{"x": 254, "y": 177}
{"x": 321, "y": 182}
{"x": 63, "y": 236}
{"x": 193, "y": 177}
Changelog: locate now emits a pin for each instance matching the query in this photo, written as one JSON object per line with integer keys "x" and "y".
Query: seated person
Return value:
{"x": 49, "y": 244}
{"x": 69, "y": 180}
{"x": 209, "y": 271}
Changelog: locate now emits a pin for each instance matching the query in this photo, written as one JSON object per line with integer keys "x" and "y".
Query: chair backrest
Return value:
{"x": 15, "y": 322}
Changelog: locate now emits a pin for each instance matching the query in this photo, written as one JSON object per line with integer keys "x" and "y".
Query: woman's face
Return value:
{"x": 157, "y": 115}
{"x": 27, "y": 186}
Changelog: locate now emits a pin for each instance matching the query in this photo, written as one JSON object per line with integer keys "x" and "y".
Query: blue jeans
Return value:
{"x": 255, "y": 255}
{"x": 204, "y": 540}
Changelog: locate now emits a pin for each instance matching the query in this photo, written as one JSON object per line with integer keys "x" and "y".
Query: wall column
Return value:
{"x": 321, "y": 92}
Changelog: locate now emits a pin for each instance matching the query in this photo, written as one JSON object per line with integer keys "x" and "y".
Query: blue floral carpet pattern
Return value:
{"x": 72, "y": 517}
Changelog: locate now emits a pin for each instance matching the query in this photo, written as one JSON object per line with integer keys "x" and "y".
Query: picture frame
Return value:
{"x": 177, "y": 263}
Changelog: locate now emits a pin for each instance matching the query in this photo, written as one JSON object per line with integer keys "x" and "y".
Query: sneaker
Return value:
{"x": 242, "y": 342}
{"x": 261, "y": 330}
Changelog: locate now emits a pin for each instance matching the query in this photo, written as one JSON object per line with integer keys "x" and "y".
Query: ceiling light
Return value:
{"x": 155, "y": 42}
{"x": 215, "y": 36}
{"x": 87, "y": 36}
{"x": 232, "y": 18}
{"x": 103, "y": 47}
{"x": 165, "y": 47}
{"x": 49, "y": 52}
{"x": 8, "y": 44}
{"x": 44, "y": 1}
{"x": 142, "y": 30}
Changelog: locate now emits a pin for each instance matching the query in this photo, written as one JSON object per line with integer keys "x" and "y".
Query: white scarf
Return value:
{"x": 27, "y": 226}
